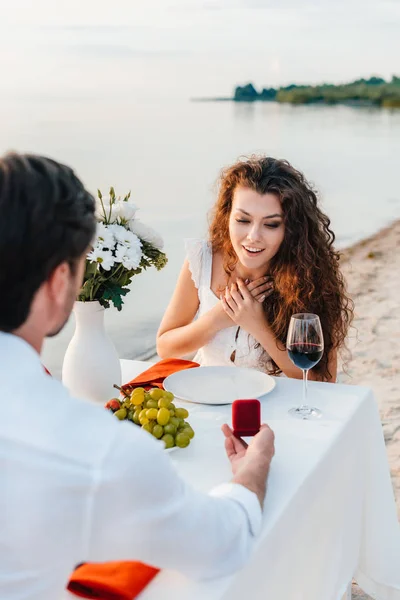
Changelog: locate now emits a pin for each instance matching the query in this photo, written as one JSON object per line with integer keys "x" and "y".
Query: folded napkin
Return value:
{"x": 111, "y": 580}
{"x": 155, "y": 375}
{"x": 124, "y": 580}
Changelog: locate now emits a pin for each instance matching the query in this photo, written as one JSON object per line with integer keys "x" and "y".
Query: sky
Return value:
{"x": 187, "y": 48}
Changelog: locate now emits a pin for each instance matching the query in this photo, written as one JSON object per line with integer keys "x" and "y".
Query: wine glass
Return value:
{"x": 305, "y": 346}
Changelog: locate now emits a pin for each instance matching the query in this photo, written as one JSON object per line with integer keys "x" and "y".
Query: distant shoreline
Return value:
{"x": 374, "y": 91}
{"x": 356, "y": 103}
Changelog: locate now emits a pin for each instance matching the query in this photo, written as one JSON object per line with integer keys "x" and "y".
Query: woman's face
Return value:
{"x": 256, "y": 227}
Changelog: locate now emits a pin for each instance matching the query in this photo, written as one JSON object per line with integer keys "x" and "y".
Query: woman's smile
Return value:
{"x": 256, "y": 227}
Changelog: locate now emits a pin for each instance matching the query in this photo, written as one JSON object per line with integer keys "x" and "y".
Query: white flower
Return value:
{"x": 129, "y": 257}
{"x": 146, "y": 233}
{"x": 125, "y": 237}
{"x": 106, "y": 215}
{"x": 105, "y": 258}
{"x": 125, "y": 210}
{"x": 104, "y": 237}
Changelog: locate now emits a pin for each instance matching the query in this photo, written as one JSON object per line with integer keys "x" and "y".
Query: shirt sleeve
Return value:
{"x": 142, "y": 510}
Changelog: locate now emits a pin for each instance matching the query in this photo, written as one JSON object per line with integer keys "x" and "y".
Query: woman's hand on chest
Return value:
{"x": 220, "y": 318}
{"x": 243, "y": 308}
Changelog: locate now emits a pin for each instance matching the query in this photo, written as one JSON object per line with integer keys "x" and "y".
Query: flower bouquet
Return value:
{"x": 123, "y": 247}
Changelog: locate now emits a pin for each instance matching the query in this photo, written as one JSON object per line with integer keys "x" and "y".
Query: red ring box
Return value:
{"x": 246, "y": 417}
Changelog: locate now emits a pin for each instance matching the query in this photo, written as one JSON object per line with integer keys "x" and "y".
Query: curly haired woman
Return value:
{"x": 270, "y": 255}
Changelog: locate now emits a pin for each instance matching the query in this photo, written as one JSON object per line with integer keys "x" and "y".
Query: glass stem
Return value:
{"x": 305, "y": 379}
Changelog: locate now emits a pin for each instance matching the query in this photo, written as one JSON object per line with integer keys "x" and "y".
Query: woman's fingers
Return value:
{"x": 264, "y": 287}
{"x": 229, "y": 299}
{"x": 261, "y": 297}
{"x": 246, "y": 295}
{"x": 261, "y": 282}
{"x": 235, "y": 294}
{"x": 226, "y": 306}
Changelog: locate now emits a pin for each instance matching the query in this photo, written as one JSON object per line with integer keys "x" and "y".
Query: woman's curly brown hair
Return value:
{"x": 305, "y": 270}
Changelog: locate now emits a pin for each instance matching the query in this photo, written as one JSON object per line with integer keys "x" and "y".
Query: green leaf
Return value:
{"x": 91, "y": 268}
{"x": 104, "y": 303}
{"x": 114, "y": 294}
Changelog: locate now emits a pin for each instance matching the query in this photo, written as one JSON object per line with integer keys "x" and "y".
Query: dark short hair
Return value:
{"x": 46, "y": 218}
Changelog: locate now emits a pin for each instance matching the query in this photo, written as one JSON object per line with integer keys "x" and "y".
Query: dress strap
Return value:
{"x": 199, "y": 256}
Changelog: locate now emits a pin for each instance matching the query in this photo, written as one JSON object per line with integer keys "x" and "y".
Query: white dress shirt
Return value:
{"x": 77, "y": 485}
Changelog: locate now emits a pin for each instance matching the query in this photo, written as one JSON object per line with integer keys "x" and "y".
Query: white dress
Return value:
{"x": 230, "y": 346}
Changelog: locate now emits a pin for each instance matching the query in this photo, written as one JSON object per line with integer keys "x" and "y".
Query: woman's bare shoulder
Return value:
{"x": 218, "y": 275}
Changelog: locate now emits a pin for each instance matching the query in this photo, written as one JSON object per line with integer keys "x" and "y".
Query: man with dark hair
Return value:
{"x": 77, "y": 485}
{"x": 46, "y": 222}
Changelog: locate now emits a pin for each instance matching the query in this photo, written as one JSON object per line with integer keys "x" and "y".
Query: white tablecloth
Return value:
{"x": 329, "y": 513}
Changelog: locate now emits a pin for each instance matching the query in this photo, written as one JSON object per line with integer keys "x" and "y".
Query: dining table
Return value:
{"x": 329, "y": 515}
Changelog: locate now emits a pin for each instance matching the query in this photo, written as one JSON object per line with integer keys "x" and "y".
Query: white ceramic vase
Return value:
{"x": 91, "y": 365}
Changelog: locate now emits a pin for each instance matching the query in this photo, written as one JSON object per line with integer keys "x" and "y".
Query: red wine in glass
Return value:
{"x": 305, "y": 356}
{"x": 305, "y": 346}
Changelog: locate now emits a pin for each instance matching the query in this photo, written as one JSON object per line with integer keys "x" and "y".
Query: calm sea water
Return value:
{"x": 169, "y": 154}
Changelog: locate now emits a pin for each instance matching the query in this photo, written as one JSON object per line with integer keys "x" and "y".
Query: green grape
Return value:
{"x": 151, "y": 403}
{"x": 163, "y": 416}
{"x": 147, "y": 396}
{"x": 126, "y": 404}
{"x": 151, "y": 413}
{"x": 170, "y": 428}
{"x": 181, "y": 424}
{"x": 148, "y": 427}
{"x": 168, "y": 441}
{"x": 121, "y": 413}
{"x": 182, "y": 439}
{"x": 169, "y": 396}
{"x": 139, "y": 390}
{"x": 172, "y": 413}
{"x": 156, "y": 393}
{"x": 137, "y": 397}
{"x": 136, "y": 417}
{"x": 182, "y": 413}
{"x": 130, "y": 414}
{"x": 163, "y": 403}
{"x": 175, "y": 421}
{"x": 143, "y": 418}
{"x": 158, "y": 431}
{"x": 188, "y": 430}
{"x": 172, "y": 406}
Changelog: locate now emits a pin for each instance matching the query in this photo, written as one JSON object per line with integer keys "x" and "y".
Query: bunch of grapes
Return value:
{"x": 155, "y": 412}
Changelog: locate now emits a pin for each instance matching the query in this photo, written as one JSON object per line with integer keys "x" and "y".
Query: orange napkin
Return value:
{"x": 111, "y": 580}
{"x": 155, "y": 375}
{"x": 124, "y": 580}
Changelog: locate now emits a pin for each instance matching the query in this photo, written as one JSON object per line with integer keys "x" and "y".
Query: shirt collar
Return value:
{"x": 14, "y": 349}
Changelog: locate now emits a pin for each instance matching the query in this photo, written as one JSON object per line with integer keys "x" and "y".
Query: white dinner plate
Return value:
{"x": 218, "y": 385}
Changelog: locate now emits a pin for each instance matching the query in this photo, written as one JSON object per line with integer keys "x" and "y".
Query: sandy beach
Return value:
{"x": 374, "y": 284}
{"x": 372, "y": 271}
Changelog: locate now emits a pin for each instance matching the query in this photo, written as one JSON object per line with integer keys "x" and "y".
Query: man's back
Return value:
{"x": 48, "y": 473}
{"x": 77, "y": 485}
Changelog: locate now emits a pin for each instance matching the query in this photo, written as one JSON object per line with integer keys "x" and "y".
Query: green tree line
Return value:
{"x": 373, "y": 91}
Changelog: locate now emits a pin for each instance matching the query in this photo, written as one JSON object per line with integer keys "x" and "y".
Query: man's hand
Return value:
{"x": 250, "y": 463}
